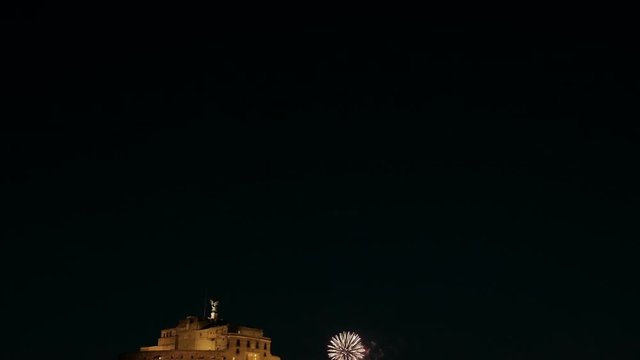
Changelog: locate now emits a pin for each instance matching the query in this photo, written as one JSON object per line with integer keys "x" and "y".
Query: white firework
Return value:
{"x": 346, "y": 346}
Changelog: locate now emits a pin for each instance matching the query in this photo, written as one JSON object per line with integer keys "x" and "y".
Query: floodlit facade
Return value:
{"x": 196, "y": 338}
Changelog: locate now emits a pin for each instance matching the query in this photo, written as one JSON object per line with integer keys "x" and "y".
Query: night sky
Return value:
{"x": 450, "y": 187}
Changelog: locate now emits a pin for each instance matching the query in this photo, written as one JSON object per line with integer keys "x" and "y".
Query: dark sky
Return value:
{"x": 449, "y": 187}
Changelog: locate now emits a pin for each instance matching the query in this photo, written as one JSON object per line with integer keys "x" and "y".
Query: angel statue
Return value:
{"x": 214, "y": 310}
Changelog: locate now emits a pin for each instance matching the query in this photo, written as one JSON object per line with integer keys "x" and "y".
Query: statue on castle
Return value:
{"x": 214, "y": 310}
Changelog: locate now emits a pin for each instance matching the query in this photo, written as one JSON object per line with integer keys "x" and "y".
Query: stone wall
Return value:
{"x": 174, "y": 355}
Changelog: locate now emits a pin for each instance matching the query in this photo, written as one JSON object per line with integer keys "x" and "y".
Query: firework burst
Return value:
{"x": 346, "y": 346}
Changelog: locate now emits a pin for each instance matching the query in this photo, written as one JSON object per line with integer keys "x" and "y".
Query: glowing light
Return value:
{"x": 346, "y": 346}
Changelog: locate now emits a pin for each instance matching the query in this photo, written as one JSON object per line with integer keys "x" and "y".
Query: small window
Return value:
{"x": 265, "y": 346}
{"x": 248, "y": 343}
{"x": 237, "y": 351}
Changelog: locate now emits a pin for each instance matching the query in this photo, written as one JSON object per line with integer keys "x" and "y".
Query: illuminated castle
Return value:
{"x": 211, "y": 338}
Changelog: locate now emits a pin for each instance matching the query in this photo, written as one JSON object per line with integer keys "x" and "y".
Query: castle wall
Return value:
{"x": 193, "y": 355}
{"x": 165, "y": 341}
{"x": 157, "y": 348}
{"x": 174, "y": 355}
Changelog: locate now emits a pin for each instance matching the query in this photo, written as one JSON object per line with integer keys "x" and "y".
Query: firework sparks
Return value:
{"x": 346, "y": 346}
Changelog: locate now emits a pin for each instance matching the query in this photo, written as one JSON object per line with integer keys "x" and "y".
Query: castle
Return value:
{"x": 207, "y": 338}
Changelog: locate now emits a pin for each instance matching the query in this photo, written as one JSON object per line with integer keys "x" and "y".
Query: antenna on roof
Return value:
{"x": 204, "y": 305}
